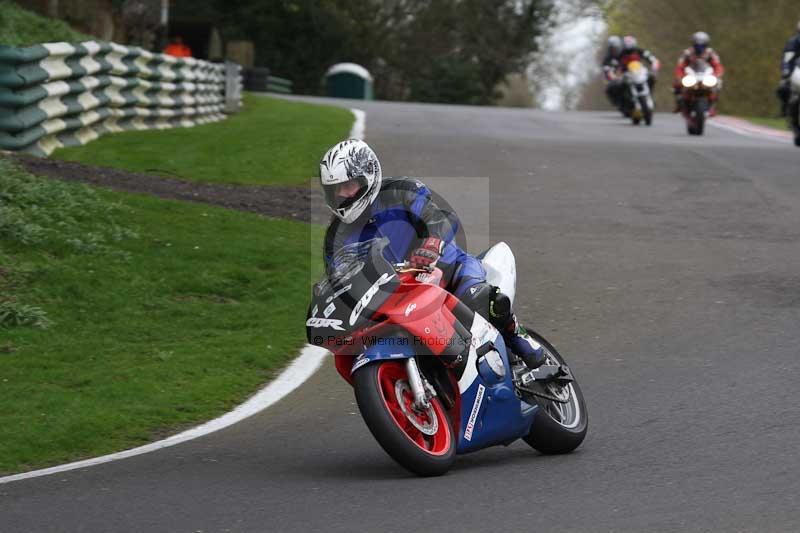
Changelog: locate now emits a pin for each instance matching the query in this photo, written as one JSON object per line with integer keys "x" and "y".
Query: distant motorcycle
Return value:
{"x": 700, "y": 88}
{"x": 794, "y": 105}
{"x": 638, "y": 101}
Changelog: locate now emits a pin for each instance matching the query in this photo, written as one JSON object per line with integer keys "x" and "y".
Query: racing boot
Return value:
{"x": 523, "y": 345}
{"x": 489, "y": 302}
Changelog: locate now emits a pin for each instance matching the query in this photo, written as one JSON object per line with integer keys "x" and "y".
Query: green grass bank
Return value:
{"x": 124, "y": 318}
{"x": 268, "y": 143}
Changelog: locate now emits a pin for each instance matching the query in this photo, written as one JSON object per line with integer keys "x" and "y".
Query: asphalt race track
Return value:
{"x": 665, "y": 268}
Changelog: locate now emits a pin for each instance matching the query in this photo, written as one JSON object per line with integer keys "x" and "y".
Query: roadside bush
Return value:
{"x": 13, "y": 313}
{"x": 19, "y": 27}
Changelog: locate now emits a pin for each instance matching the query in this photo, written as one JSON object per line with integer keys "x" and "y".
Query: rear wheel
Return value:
{"x": 422, "y": 441}
{"x": 559, "y": 426}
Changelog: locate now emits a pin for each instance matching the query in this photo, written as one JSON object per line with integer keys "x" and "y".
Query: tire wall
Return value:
{"x": 65, "y": 94}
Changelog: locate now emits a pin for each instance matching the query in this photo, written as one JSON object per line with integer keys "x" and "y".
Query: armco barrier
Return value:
{"x": 279, "y": 85}
{"x": 61, "y": 94}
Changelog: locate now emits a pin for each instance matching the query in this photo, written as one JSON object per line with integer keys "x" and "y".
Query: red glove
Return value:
{"x": 426, "y": 255}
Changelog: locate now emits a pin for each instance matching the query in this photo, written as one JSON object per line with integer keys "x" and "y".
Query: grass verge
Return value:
{"x": 133, "y": 317}
{"x": 270, "y": 142}
{"x": 776, "y": 123}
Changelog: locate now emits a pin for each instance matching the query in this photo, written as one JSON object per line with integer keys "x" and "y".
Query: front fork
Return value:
{"x": 420, "y": 388}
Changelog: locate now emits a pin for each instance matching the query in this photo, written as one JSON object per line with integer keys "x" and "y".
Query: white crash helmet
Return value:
{"x": 351, "y": 160}
{"x": 615, "y": 43}
{"x": 700, "y": 41}
{"x": 629, "y": 42}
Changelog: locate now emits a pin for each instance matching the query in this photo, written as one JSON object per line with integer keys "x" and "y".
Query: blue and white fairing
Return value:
{"x": 491, "y": 413}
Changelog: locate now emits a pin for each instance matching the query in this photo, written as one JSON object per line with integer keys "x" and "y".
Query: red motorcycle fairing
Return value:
{"x": 421, "y": 313}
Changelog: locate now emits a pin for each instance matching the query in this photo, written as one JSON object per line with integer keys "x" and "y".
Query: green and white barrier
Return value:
{"x": 60, "y": 94}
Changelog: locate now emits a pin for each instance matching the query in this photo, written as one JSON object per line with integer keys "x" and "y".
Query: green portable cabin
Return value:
{"x": 348, "y": 80}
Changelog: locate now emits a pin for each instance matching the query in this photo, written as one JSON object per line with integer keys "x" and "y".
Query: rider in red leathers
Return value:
{"x": 700, "y": 50}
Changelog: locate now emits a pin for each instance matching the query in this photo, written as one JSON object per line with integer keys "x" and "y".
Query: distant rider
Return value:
{"x": 699, "y": 51}
{"x": 610, "y": 67}
{"x": 365, "y": 205}
{"x": 631, "y": 52}
{"x": 791, "y": 55}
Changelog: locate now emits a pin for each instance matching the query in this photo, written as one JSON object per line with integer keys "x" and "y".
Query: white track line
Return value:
{"x": 357, "y": 132}
{"x": 302, "y": 368}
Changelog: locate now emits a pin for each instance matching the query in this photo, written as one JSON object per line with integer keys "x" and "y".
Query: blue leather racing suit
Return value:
{"x": 406, "y": 212}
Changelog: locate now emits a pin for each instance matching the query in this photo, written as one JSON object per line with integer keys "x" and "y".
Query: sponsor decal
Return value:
{"x": 473, "y": 416}
{"x": 472, "y": 290}
{"x": 314, "y": 311}
{"x": 367, "y": 298}
{"x": 328, "y": 310}
{"x": 360, "y": 361}
{"x": 315, "y": 322}
{"x": 338, "y": 293}
{"x": 410, "y": 308}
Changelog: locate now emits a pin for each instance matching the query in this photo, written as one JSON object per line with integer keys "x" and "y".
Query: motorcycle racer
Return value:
{"x": 366, "y": 205}
{"x": 632, "y": 52}
{"x": 791, "y": 55}
{"x": 700, "y": 50}
{"x": 614, "y": 85}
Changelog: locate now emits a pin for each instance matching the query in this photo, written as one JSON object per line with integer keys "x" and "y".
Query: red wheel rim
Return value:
{"x": 437, "y": 444}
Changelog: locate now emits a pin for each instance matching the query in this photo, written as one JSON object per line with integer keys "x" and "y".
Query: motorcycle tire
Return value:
{"x": 379, "y": 398}
{"x": 794, "y": 120}
{"x": 647, "y": 111}
{"x": 548, "y": 435}
{"x": 700, "y": 109}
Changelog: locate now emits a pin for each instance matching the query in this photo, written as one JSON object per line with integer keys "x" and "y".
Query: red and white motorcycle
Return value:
{"x": 700, "y": 89}
{"x": 433, "y": 379}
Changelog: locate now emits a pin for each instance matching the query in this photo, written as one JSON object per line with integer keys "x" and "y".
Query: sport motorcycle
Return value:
{"x": 638, "y": 101}
{"x": 699, "y": 91}
{"x": 433, "y": 379}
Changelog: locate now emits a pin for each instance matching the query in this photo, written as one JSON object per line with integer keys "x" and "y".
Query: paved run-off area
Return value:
{"x": 664, "y": 267}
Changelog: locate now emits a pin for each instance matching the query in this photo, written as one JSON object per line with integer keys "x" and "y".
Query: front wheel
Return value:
{"x": 647, "y": 110}
{"x": 422, "y": 441}
{"x": 700, "y": 110}
{"x": 794, "y": 120}
{"x": 558, "y": 426}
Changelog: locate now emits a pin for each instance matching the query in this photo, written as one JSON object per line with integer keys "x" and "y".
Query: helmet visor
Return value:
{"x": 343, "y": 195}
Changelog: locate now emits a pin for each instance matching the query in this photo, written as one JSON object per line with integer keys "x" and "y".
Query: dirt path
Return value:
{"x": 297, "y": 203}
